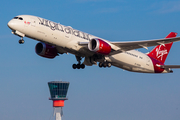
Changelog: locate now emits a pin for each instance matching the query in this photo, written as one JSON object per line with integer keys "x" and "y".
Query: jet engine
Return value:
{"x": 45, "y": 50}
{"x": 99, "y": 46}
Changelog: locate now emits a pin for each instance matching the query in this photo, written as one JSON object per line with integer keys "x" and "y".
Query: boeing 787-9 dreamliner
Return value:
{"x": 57, "y": 39}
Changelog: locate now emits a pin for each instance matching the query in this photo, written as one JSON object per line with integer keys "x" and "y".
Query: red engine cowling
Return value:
{"x": 45, "y": 50}
{"x": 99, "y": 46}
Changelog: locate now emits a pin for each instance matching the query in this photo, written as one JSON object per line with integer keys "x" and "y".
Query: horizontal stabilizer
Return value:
{"x": 169, "y": 66}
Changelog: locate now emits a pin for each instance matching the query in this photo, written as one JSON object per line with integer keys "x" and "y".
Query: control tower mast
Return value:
{"x": 58, "y": 91}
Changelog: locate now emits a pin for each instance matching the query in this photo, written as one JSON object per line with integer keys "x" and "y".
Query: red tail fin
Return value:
{"x": 160, "y": 52}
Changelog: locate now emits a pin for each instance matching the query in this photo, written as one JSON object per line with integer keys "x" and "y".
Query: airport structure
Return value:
{"x": 58, "y": 91}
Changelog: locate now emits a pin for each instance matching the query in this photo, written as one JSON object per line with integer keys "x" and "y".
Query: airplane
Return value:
{"x": 55, "y": 38}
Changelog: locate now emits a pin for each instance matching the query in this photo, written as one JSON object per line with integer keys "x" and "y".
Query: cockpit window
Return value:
{"x": 20, "y": 18}
{"x": 15, "y": 17}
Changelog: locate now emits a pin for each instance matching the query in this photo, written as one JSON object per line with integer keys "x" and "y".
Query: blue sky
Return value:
{"x": 94, "y": 93}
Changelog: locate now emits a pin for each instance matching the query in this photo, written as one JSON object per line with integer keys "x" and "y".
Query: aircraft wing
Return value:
{"x": 124, "y": 46}
{"x": 118, "y": 47}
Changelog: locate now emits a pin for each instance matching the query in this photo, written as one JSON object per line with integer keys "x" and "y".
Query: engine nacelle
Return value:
{"x": 99, "y": 46}
{"x": 45, "y": 50}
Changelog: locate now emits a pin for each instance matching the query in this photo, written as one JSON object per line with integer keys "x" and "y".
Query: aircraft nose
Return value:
{"x": 11, "y": 24}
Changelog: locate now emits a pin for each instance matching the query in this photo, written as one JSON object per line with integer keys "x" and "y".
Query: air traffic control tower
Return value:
{"x": 58, "y": 91}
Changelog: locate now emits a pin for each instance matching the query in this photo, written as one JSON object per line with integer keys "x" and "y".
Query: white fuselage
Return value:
{"x": 66, "y": 40}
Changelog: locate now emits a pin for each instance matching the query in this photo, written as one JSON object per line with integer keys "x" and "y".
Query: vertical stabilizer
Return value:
{"x": 161, "y": 52}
